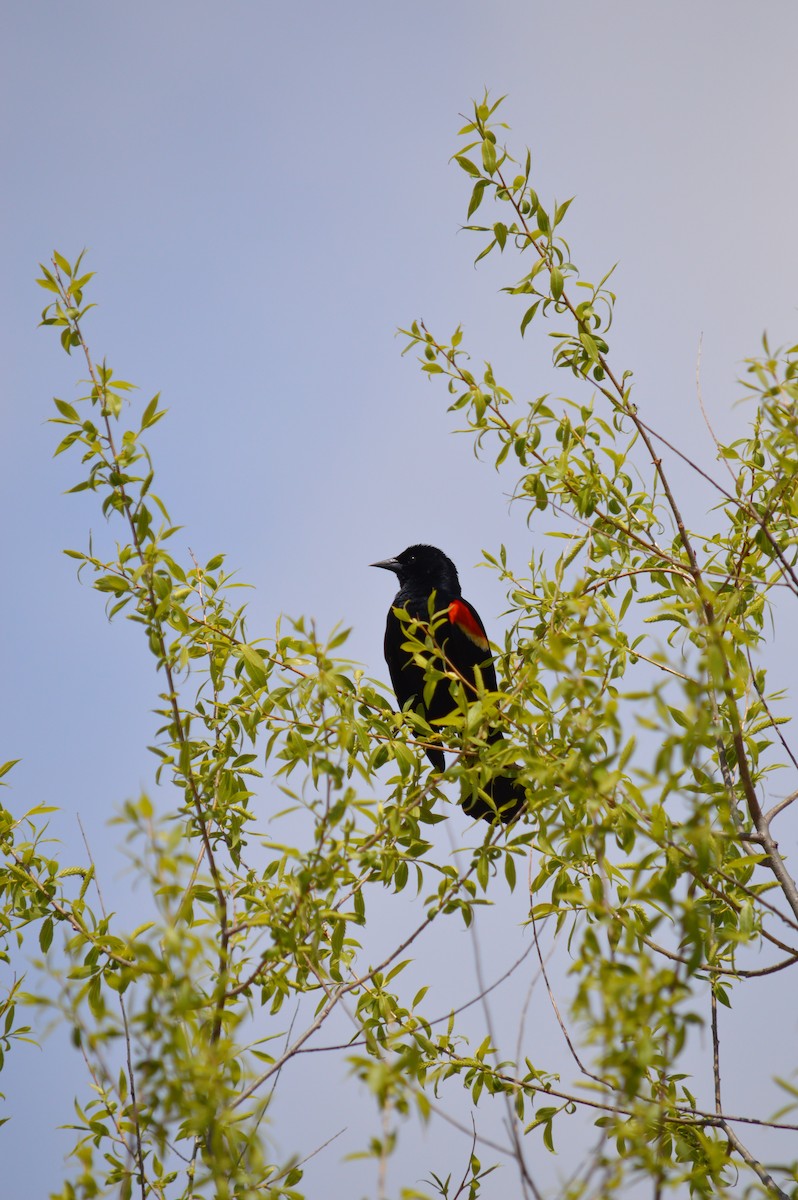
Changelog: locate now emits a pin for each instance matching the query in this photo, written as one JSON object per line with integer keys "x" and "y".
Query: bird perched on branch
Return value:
{"x": 425, "y": 572}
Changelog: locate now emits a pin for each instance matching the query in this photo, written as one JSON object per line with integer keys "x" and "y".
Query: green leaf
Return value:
{"x": 528, "y": 316}
{"x": 66, "y": 442}
{"x": 467, "y": 165}
{"x": 66, "y": 410}
{"x": 7, "y": 766}
{"x": 46, "y": 934}
{"x": 112, "y": 583}
{"x": 589, "y": 344}
{"x": 482, "y": 871}
{"x": 95, "y": 998}
{"x": 561, "y": 210}
{"x": 151, "y": 415}
{"x": 253, "y": 664}
{"x": 486, "y": 251}
{"x": 476, "y": 196}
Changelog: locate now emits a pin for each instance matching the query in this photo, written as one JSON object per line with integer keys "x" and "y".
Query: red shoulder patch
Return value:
{"x": 461, "y": 616}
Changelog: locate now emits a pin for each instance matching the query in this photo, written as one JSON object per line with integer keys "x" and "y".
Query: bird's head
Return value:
{"x": 423, "y": 569}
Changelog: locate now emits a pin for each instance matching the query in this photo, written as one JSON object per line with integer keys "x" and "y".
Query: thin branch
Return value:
{"x": 621, "y": 403}
{"x": 712, "y": 970}
{"x": 787, "y": 570}
{"x": 359, "y": 1042}
{"x": 63, "y": 913}
{"x": 607, "y": 580}
{"x": 455, "y": 1124}
{"x": 715, "y": 1051}
{"x": 763, "y": 701}
{"x": 301, "y": 1162}
{"x": 661, "y": 666}
{"x": 777, "y": 808}
{"x": 511, "y": 1121}
{"x": 756, "y": 1166}
{"x": 596, "y": 1078}
{"x": 171, "y": 696}
{"x": 128, "y": 1049}
{"x": 678, "y": 1112}
{"x": 382, "y": 1165}
{"x": 464, "y": 1180}
{"x": 344, "y": 989}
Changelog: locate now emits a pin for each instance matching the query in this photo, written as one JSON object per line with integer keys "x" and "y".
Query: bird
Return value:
{"x": 425, "y": 573}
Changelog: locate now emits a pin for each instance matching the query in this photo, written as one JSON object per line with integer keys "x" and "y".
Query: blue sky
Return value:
{"x": 265, "y": 194}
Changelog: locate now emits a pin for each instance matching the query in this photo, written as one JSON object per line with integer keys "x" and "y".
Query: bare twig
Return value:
{"x": 780, "y": 807}
{"x": 301, "y": 1161}
{"x": 755, "y": 1165}
{"x": 596, "y": 1078}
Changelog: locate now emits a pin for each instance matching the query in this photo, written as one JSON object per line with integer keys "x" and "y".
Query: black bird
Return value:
{"x": 423, "y": 571}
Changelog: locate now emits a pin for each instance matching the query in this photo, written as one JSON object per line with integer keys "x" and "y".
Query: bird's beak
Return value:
{"x": 388, "y": 564}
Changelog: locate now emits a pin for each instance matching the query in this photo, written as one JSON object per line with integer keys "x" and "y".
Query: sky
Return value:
{"x": 266, "y": 194}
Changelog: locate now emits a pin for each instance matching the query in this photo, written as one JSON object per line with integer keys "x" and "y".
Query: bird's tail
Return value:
{"x": 507, "y": 801}
{"x": 506, "y": 796}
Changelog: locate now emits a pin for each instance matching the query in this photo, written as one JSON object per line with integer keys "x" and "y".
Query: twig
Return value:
{"x": 704, "y": 414}
{"x": 171, "y": 696}
{"x": 787, "y": 570}
{"x": 678, "y": 1112}
{"x": 712, "y": 970}
{"x": 764, "y": 703}
{"x": 301, "y": 1162}
{"x": 344, "y": 989}
{"x": 560, "y": 1022}
{"x": 782, "y": 804}
{"x": 619, "y": 399}
{"x": 511, "y": 1120}
{"x": 756, "y": 1166}
{"x": 122, "y": 1007}
{"x": 715, "y": 1051}
{"x": 359, "y": 1042}
{"x": 464, "y": 1180}
{"x": 455, "y": 1124}
{"x": 661, "y": 666}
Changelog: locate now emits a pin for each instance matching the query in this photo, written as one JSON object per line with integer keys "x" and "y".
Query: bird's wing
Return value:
{"x": 466, "y": 618}
{"x": 469, "y": 646}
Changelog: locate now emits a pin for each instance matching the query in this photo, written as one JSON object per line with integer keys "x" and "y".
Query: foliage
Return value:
{"x": 636, "y": 702}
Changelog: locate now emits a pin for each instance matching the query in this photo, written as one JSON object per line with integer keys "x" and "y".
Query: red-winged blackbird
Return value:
{"x": 423, "y": 571}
